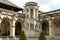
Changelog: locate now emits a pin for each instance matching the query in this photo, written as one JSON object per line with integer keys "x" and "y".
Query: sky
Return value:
{"x": 45, "y": 5}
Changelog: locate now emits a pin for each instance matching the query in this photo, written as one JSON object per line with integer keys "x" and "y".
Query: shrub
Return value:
{"x": 22, "y": 35}
{"x": 42, "y": 36}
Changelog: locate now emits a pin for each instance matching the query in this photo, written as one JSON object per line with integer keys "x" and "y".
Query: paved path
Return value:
{"x": 27, "y": 38}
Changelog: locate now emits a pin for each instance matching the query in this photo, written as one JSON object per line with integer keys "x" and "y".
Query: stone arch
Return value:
{"x": 45, "y": 27}
{"x": 18, "y": 26}
{"x": 5, "y": 27}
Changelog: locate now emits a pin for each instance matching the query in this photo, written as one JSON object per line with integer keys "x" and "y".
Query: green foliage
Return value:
{"x": 22, "y": 35}
{"x": 42, "y": 36}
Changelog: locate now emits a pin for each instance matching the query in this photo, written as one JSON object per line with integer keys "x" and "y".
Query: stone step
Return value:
{"x": 27, "y": 39}
{"x": 8, "y": 39}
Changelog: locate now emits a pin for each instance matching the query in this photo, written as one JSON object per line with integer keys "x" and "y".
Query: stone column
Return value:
{"x": 29, "y": 13}
{"x": 13, "y": 33}
{"x": 34, "y": 13}
{"x": 37, "y": 15}
{"x": 34, "y": 18}
{"x": 0, "y": 19}
{"x": 0, "y": 27}
{"x": 0, "y": 22}
{"x": 34, "y": 24}
{"x": 12, "y": 29}
{"x": 51, "y": 29}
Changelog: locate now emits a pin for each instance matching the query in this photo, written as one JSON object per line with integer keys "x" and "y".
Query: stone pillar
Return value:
{"x": 13, "y": 33}
{"x": 12, "y": 29}
{"x": 51, "y": 29}
{"x": 34, "y": 18}
{"x": 0, "y": 27}
{"x": 37, "y": 12}
{"x": 34, "y": 13}
{"x": 29, "y": 13}
{"x": 37, "y": 15}
{"x": 0, "y": 21}
{"x": 34, "y": 24}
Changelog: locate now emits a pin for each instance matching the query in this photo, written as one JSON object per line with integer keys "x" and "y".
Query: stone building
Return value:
{"x": 31, "y": 20}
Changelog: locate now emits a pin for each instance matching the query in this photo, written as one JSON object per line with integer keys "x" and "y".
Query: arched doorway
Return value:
{"x": 5, "y": 28}
{"x": 45, "y": 27}
{"x": 18, "y": 28}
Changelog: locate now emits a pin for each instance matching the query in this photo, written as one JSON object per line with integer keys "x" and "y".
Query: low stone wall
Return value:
{"x": 28, "y": 38}
{"x": 32, "y": 38}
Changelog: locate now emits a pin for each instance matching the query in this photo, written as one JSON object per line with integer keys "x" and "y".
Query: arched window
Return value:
{"x": 5, "y": 28}
{"x": 27, "y": 10}
{"x": 31, "y": 26}
{"x": 18, "y": 28}
{"x": 45, "y": 27}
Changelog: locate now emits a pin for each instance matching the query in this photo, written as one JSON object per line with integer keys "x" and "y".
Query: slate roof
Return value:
{"x": 8, "y": 3}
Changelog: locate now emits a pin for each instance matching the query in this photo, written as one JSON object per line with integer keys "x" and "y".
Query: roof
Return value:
{"x": 31, "y": 3}
{"x": 53, "y": 11}
{"x": 8, "y": 3}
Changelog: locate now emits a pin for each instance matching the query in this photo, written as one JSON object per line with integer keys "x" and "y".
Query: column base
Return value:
{"x": 11, "y": 36}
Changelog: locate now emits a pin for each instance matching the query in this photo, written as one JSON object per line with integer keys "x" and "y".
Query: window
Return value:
{"x": 31, "y": 26}
{"x": 27, "y": 10}
{"x": 31, "y": 12}
{"x": 45, "y": 27}
{"x": 27, "y": 25}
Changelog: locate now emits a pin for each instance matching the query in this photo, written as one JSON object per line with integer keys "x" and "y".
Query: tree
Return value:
{"x": 42, "y": 36}
{"x": 22, "y": 35}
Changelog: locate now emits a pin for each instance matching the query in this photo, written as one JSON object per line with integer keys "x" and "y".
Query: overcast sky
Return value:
{"x": 45, "y": 5}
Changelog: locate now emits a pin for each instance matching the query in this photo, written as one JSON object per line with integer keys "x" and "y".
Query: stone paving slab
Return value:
{"x": 27, "y": 39}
